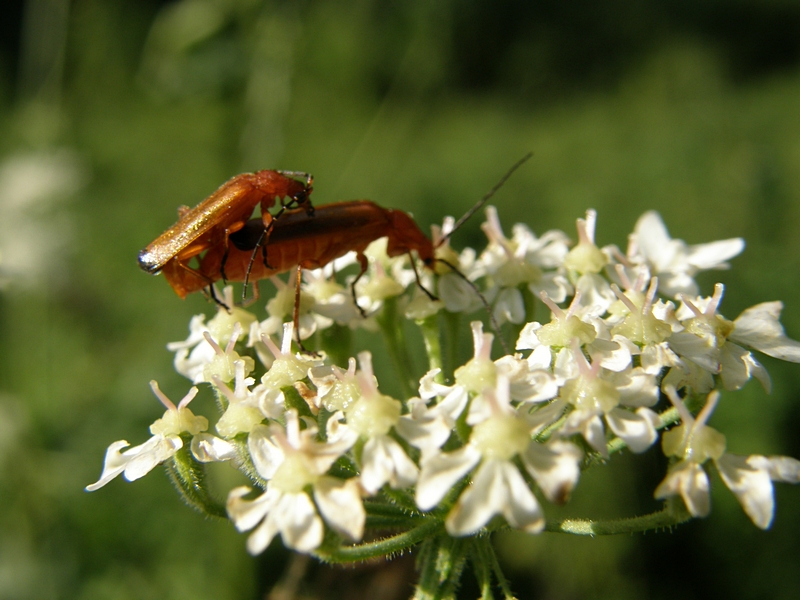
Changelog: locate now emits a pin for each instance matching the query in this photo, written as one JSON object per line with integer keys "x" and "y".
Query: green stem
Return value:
{"x": 381, "y": 548}
{"x": 452, "y": 323}
{"x": 402, "y": 499}
{"x": 442, "y": 566}
{"x": 433, "y": 344}
{"x": 428, "y": 581}
{"x": 189, "y": 477}
{"x": 491, "y": 556}
{"x": 674, "y": 513}
{"x": 392, "y": 329}
{"x": 481, "y": 565}
{"x": 451, "y": 562}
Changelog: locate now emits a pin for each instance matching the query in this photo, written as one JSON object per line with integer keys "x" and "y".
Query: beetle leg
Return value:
{"x": 224, "y": 258}
{"x": 362, "y": 260}
{"x": 259, "y": 244}
{"x": 419, "y": 281}
{"x": 172, "y": 276}
{"x": 296, "y": 312}
{"x": 492, "y": 319}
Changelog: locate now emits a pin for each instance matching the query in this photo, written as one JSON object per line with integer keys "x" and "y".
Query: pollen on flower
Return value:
{"x": 223, "y": 324}
{"x": 178, "y": 419}
{"x": 287, "y": 367}
{"x": 693, "y": 440}
{"x": 565, "y": 326}
{"x": 501, "y": 436}
{"x": 337, "y": 389}
{"x": 640, "y": 325}
{"x": 588, "y": 392}
{"x": 479, "y": 372}
{"x": 586, "y": 257}
{"x": 222, "y": 366}
{"x": 374, "y": 413}
{"x": 708, "y": 319}
{"x": 294, "y": 474}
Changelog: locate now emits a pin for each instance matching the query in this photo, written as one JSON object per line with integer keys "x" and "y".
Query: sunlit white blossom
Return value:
{"x": 292, "y": 462}
{"x": 674, "y": 262}
{"x": 748, "y": 477}
{"x": 138, "y": 461}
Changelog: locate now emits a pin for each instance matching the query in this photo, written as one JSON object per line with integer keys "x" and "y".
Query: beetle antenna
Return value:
{"x": 485, "y": 303}
{"x": 485, "y": 199}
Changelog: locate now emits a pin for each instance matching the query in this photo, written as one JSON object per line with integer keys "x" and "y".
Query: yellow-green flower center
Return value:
{"x": 293, "y": 474}
{"x": 477, "y": 375}
{"x": 559, "y": 333}
{"x": 590, "y": 394}
{"x": 373, "y": 415}
{"x": 501, "y": 437}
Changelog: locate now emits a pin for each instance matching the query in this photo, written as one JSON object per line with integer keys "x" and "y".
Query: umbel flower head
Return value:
{"x": 623, "y": 346}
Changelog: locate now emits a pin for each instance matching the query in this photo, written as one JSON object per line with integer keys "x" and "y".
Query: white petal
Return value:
{"x": 522, "y": 511}
{"x": 340, "y": 504}
{"x": 440, "y": 472}
{"x": 688, "y": 479}
{"x": 752, "y": 487}
{"x": 428, "y": 386}
{"x": 636, "y": 387}
{"x": 780, "y": 468}
{"x": 527, "y": 337}
{"x": 113, "y": 464}
{"x": 509, "y": 306}
{"x": 210, "y": 448}
{"x": 653, "y": 238}
{"x": 612, "y": 354}
{"x": 555, "y": 467}
{"x": 526, "y": 384}
{"x": 700, "y": 350}
{"x": 384, "y": 460}
{"x": 638, "y": 429}
{"x": 713, "y": 254}
{"x": 540, "y": 358}
{"x": 590, "y": 427}
{"x": 759, "y": 327}
{"x": 737, "y": 365}
{"x": 262, "y": 536}
{"x": 155, "y": 451}
{"x": 456, "y": 293}
{"x": 267, "y": 456}
{"x": 498, "y": 488}
{"x": 543, "y": 416}
{"x": 427, "y": 433}
{"x": 246, "y": 514}
{"x": 300, "y": 525}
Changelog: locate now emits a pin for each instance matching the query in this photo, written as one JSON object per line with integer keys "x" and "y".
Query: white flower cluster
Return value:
{"x": 631, "y": 338}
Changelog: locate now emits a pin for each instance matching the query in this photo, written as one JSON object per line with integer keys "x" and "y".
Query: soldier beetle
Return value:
{"x": 211, "y": 223}
{"x": 306, "y": 238}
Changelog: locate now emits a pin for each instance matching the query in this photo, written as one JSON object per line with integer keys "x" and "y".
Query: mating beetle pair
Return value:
{"x": 226, "y": 241}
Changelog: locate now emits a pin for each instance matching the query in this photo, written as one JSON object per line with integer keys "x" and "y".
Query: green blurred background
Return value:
{"x": 112, "y": 114}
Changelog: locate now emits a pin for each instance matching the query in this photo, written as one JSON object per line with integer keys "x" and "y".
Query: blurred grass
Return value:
{"x": 717, "y": 156}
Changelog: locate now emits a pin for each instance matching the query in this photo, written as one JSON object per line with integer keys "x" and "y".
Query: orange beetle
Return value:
{"x": 299, "y": 240}
{"x": 211, "y": 223}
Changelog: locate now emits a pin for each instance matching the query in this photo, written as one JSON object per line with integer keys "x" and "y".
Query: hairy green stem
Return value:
{"x": 674, "y": 513}
{"x": 381, "y": 548}
{"x": 189, "y": 478}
